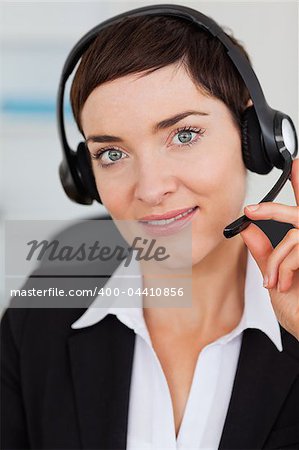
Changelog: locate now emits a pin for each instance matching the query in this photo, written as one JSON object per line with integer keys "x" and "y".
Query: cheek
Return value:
{"x": 221, "y": 192}
{"x": 220, "y": 183}
{"x": 112, "y": 195}
{"x": 228, "y": 183}
{"x": 217, "y": 172}
{"x": 230, "y": 174}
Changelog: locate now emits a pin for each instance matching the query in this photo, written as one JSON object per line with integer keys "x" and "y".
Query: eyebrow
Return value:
{"x": 157, "y": 127}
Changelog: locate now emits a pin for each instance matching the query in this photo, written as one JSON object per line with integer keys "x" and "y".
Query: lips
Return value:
{"x": 170, "y": 226}
{"x": 168, "y": 215}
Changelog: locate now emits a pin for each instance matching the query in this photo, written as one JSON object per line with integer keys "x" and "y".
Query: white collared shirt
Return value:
{"x": 150, "y": 420}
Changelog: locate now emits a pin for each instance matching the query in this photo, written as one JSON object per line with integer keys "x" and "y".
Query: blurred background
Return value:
{"x": 35, "y": 40}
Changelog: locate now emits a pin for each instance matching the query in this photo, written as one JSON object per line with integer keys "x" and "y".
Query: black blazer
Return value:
{"x": 69, "y": 389}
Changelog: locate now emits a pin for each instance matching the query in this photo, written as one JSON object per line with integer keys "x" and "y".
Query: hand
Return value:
{"x": 279, "y": 266}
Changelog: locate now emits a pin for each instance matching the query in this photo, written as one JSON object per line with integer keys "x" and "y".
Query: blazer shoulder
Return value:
{"x": 13, "y": 321}
{"x": 290, "y": 344}
{"x": 39, "y": 327}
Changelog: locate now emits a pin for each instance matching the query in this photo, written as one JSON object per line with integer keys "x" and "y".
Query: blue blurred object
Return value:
{"x": 29, "y": 106}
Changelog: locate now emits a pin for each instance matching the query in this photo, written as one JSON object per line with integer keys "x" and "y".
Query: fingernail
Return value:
{"x": 252, "y": 207}
{"x": 266, "y": 281}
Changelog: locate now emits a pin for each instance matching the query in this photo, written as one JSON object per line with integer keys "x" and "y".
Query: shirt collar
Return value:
{"x": 126, "y": 280}
{"x": 258, "y": 311}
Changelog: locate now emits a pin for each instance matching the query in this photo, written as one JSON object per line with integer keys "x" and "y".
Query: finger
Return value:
{"x": 287, "y": 269}
{"x": 258, "y": 244}
{"x": 279, "y": 254}
{"x": 295, "y": 179}
{"x": 275, "y": 211}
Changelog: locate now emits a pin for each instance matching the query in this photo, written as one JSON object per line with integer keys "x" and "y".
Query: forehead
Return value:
{"x": 143, "y": 98}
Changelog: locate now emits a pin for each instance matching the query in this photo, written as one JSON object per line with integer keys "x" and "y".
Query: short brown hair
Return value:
{"x": 138, "y": 44}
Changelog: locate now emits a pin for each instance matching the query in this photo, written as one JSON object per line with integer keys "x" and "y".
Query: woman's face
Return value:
{"x": 170, "y": 147}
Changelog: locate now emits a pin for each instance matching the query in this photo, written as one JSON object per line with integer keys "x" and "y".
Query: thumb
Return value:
{"x": 258, "y": 244}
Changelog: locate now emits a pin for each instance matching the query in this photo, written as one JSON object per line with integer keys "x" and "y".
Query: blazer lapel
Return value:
{"x": 101, "y": 358}
{"x": 263, "y": 379}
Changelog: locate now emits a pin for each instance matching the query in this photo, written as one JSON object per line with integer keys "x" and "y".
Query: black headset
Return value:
{"x": 269, "y": 137}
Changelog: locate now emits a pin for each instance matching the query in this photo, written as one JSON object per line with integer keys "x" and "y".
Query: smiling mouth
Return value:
{"x": 164, "y": 222}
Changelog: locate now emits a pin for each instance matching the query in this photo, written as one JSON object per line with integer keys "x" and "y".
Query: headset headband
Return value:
{"x": 263, "y": 111}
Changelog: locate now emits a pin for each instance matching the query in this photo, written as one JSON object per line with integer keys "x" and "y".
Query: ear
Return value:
{"x": 249, "y": 103}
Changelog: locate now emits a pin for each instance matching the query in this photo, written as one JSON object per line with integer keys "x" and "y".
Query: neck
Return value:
{"x": 218, "y": 283}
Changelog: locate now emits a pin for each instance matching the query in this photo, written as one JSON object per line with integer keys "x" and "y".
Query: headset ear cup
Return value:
{"x": 253, "y": 149}
{"x": 85, "y": 170}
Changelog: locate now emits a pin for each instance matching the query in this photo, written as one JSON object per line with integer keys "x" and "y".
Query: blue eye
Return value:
{"x": 187, "y": 136}
{"x": 184, "y": 137}
{"x": 113, "y": 154}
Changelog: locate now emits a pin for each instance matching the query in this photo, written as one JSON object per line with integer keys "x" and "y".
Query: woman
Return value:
{"x": 160, "y": 106}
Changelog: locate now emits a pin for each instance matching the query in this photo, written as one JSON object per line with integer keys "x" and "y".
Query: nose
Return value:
{"x": 156, "y": 180}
